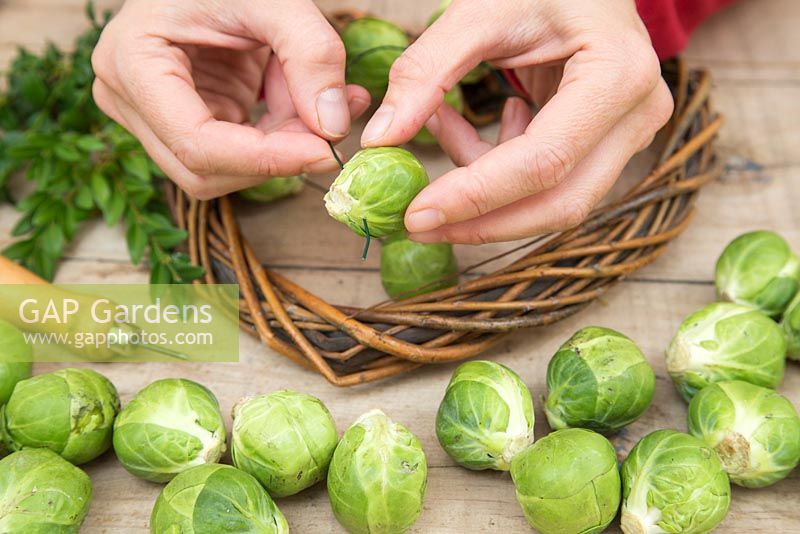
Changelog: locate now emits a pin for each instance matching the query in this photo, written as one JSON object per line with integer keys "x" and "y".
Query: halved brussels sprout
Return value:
{"x": 567, "y": 482}
{"x": 454, "y": 98}
{"x": 760, "y": 270}
{"x": 409, "y": 268}
{"x": 15, "y": 359}
{"x": 726, "y": 341}
{"x": 169, "y": 426}
{"x": 377, "y": 478}
{"x": 673, "y": 482}
{"x": 40, "y": 492}
{"x": 69, "y": 411}
{"x": 372, "y": 46}
{"x": 273, "y": 189}
{"x": 791, "y": 328}
{"x": 285, "y": 440}
{"x": 598, "y": 379}
{"x": 377, "y": 185}
{"x": 754, "y": 430}
{"x": 486, "y": 416}
{"x": 214, "y": 498}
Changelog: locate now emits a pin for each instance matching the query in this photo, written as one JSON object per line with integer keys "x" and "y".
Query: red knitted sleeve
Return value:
{"x": 671, "y": 22}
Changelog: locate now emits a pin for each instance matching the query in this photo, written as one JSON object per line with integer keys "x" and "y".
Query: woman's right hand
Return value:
{"x": 184, "y": 76}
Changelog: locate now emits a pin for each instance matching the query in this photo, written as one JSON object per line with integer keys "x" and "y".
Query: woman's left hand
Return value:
{"x": 590, "y": 67}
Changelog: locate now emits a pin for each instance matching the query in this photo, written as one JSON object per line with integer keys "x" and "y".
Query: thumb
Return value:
{"x": 312, "y": 57}
{"x": 420, "y": 77}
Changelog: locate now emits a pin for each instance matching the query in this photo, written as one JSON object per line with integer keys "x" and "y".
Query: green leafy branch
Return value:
{"x": 81, "y": 164}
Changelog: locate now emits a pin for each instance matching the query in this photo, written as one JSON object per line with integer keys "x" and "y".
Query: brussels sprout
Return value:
{"x": 791, "y": 328}
{"x": 214, "y": 498}
{"x": 15, "y": 359}
{"x": 70, "y": 411}
{"x": 372, "y": 46}
{"x": 285, "y": 440}
{"x": 40, "y": 492}
{"x": 755, "y": 431}
{"x": 170, "y": 426}
{"x": 758, "y": 269}
{"x": 726, "y": 341}
{"x": 454, "y": 98}
{"x": 409, "y": 268}
{"x": 378, "y": 184}
{"x": 672, "y": 482}
{"x": 568, "y": 482}
{"x": 273, "y": 189}
{"x": 486, "y": 416}
{"x": 598, "y": 379}
{"x": 377, "y": 478}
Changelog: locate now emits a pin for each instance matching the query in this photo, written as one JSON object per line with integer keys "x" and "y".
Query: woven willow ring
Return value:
{"x": 561, "y": 273}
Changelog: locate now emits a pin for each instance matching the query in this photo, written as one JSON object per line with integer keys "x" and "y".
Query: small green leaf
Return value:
{"x": 52, "y": 241}
{"x": 137, "y": 242}
{"x": 33, "y": 89}
{"x": 169, "y": 238}
{"x": 100, "y": 189}
{"x": 42, "y": 265}
{"x": 23, "y": 226}
{"x": 46, "y": 213}
{"x": 137, "y": 165}
{"x": 155, "y": 221}
{"x": 31, "y": 202}
{"x": 43, "y": 170}
{"x": 115, "y": 209}
{"x": 71, "y": 219}
{"x": 90, "y": 143}
{"x": 189, "y": 272}
{"x": 68, "y": 153}
{"x": 19, "y": 250}
{"x": 84, "y": 198}
{"x": 160, "y": 274}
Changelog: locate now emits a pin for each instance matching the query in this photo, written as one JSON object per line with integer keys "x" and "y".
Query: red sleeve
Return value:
{"x": 671, "y": 22}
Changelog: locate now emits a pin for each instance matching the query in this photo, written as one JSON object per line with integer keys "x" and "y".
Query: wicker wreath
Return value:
{"x": 561, "y": 273}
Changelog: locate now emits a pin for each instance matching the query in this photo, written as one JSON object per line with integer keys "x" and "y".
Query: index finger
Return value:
{"x": 588, "y": 104}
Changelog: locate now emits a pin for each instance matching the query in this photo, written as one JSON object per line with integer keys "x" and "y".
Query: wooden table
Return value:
{"x": 753, "y": 50}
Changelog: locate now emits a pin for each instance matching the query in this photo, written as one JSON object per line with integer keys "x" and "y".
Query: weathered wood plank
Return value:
{"x": 456, "y": 497}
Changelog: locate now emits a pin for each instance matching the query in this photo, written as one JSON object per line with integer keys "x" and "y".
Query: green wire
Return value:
{"x": 336, "y": 155}
{"x": 369, "y": 240}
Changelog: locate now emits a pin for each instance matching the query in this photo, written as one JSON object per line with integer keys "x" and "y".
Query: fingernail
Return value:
{"x": 322, "y": 166}
{"x": 424, "y": 220}
{"x": 378, "y": 125}
{"x": 433, "y": 124}
{"x": 427, "y": 237}
{"x": 333, "y": 113}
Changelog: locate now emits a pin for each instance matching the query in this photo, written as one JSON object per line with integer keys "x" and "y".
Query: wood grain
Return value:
{"x": 754, "y": 52}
